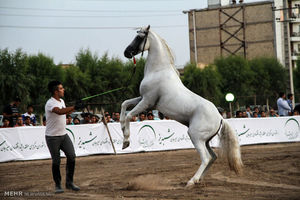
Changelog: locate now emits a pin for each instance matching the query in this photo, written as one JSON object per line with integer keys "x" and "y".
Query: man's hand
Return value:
{"x": 79, "y": 104}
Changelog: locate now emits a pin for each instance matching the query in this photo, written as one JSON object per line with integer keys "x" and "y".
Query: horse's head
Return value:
{"x": 139, "y": 44}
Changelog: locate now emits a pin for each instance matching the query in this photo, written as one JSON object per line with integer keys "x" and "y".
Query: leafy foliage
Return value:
{"x": 27, "y": 77}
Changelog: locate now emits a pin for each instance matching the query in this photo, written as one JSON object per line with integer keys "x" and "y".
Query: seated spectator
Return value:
{"x": 272, "y": 113}
{"x": 86, "y": 118}
{"x": 161, "y": 116}
{"x": 76, "y": 121}
{"x": 108, "y": 118}
{"x": 239, "y": 114}
{"x": 44, "y": 121}
{"x": 228, "y": 114}
{"x": 27, "y": 121}
{"x": 256, "y": 109}
{"x": 255, "y": 115}
{"x": 297, "y": 108}
{"x": 116, "y": 117}
{"x": 69, "y": 120}
{"x": 19, "y": 122}
{"x": 94, "y": 119}
{"x": 150, "y": 116}
{"x": 6, "y": 124}
{"x": 263, "y": 114}
{"x": 133, "y": 119}
{"x": 30, "y": 114}
{"x": 244, "y": 114}
{"x": 142, "y": 117}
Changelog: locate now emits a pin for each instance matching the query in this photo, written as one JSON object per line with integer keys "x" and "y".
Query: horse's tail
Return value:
{"x": 230, "y": 148}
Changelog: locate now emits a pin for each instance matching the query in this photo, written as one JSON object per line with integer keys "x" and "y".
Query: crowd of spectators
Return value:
{"x": 13, "y": 118}
{"x": 284, "y": 105}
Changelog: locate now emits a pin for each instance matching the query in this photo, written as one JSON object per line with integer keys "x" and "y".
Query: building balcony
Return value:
{"x": 295, "y": 37}
{"x": 295, "y": 55}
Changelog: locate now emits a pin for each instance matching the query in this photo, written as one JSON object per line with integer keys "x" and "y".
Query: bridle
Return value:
{"x": 146, "y": 37}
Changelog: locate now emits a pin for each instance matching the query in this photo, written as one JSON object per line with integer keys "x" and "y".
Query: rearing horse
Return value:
{"x": 162, "y": 88}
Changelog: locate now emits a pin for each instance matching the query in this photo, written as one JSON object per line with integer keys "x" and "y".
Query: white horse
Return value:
{"x": 162, "y": 88}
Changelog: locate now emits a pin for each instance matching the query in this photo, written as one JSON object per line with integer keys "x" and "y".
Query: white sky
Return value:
{"x": 60, "y": 28}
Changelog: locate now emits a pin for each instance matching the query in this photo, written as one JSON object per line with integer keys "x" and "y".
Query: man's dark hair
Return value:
{"x": 150, "y": 114}
{"x": 281, "y": 94}
{"x": 53, "y": 85}
{"x": 289, "y": 95}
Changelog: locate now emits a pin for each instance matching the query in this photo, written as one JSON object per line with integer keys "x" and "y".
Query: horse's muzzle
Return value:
{"x": 129, "y": 52}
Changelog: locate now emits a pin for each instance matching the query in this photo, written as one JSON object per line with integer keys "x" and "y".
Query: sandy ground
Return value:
{"x": 271, "y": 171}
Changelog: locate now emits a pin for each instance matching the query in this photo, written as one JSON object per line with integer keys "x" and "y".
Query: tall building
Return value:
{"x": 229, "y": 27}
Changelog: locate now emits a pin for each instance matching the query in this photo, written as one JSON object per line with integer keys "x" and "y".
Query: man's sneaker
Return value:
{"x": 58, "y": 189}
{"x": 72, "y": 186}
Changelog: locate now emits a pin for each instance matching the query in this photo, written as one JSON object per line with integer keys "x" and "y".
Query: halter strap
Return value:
{"x": 145, "y": 42}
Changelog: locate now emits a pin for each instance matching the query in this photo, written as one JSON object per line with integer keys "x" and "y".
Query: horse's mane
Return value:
{"x": 170, "y": 53}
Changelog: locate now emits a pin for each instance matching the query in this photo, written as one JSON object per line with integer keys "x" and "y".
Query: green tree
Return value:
{"x": 204, "y": 82}
{"x": 270, "y": 77}
{"x": 42, "y": 70}
{"x": 13, "y": 76}
{"x": 236, "y": 76}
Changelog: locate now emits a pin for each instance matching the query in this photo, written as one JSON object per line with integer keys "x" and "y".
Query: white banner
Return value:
{"x": 28, "y": 143}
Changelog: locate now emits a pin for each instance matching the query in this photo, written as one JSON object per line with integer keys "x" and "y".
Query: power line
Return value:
{"x": 65, "y": 10}
{"x": 86, "y": 28}
{"x": 85, "y": 16}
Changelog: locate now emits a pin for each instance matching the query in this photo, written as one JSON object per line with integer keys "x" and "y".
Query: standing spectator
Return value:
{"x": 248, "y": 111}
{"x": 290, "y": 101}
{"x": 283, "y": 107}
{"x": 30, "y": 114}
{"x": 27, "y": 121}
{"x": 11, "y": 111}
{"x": 5, "y": 123}
{"x": 19, "y": 122}
{"x": 56, "y": 136}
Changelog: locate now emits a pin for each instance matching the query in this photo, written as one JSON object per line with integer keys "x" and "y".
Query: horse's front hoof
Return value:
{"x": 125, "y": 144}
{"x": 189, "y": 185}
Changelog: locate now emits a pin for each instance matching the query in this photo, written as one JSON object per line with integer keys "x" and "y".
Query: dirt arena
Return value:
{"x": 271, "y": 171}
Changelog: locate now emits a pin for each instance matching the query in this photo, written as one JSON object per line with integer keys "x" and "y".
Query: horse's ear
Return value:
{"x": 148, "y": 27}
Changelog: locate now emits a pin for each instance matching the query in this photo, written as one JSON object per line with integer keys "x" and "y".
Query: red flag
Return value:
{"x": 134, "y": 61}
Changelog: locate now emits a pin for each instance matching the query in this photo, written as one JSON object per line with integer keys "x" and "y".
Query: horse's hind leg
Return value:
{"x": 207, "y": 156}
{"x": 124, "y": 107}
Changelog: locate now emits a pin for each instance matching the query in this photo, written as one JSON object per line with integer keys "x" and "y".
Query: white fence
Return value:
{"x": 28, "y": 143}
